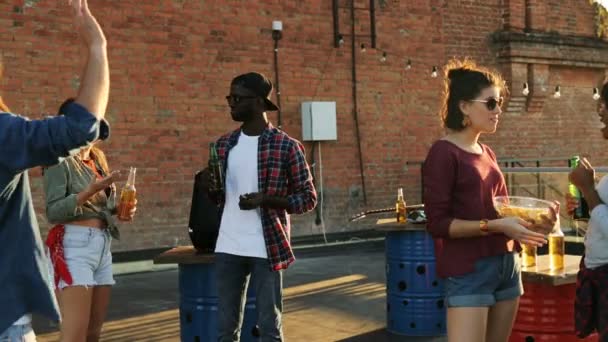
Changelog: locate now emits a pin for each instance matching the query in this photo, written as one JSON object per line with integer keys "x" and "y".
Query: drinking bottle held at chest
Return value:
{"x": 215, "y": 168}
{"x": 127, "y": 197}
{"x": 400, "y": 206}
{"x": 582, "y": 211}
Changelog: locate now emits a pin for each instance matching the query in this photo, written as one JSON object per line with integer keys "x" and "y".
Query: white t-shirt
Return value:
{"x": 241, "y": 231}
{"x": 596, "y": 238}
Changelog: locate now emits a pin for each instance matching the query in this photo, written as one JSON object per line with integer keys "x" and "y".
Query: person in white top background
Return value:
{"x": 591, "y": 304}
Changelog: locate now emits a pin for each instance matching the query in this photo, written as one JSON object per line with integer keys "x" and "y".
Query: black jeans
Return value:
{"x": 233, "y": 273}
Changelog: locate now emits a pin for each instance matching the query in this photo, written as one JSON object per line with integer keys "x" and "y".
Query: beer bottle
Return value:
{"x": 528, "y": 255}
{"x": 127, "y": 196}
{"x": 557, "y": 247}
{"x": 400, "y": 207}
{"x": 582, "y": 211}
{"x": 215, "y": 170}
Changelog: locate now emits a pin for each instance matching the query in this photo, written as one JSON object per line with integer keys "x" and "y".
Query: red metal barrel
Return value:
{"x": 518, "y": 336}
{"x": 546, "y": 313}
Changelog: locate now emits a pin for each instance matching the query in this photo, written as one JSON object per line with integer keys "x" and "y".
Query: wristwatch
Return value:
{"x": 483, "y": 227}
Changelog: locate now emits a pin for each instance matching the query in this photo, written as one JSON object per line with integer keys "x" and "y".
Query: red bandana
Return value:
{"x": 54, "y": 242}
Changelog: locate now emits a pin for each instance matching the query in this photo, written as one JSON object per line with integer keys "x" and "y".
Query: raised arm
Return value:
{"x": 95, "y": 86}
{"x": 28, "y": 143}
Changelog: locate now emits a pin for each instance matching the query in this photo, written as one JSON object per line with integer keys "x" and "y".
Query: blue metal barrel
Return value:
{"x": 198, "y": 306}
{"x": 415, "y": 294}
{"x": 416, "y": 316}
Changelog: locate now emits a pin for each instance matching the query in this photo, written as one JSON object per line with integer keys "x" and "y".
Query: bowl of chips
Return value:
{"x": 527, "y": 208}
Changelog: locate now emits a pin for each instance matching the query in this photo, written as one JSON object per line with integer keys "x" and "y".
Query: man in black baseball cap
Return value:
{"x": 249, "y": 95}
{"x": 266, "y": 177}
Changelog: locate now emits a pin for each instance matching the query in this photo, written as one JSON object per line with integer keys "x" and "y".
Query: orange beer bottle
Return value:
{"x": 400, "y": 207}
{"x": 127, "y": 196}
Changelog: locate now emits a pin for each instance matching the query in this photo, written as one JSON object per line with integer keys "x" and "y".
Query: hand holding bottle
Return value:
{"x": 583, "y": 176}
{"x": 582, "y": 182}
{"x": 128, "y": 201}
{"x": 571, "y": 203}
{"x": 130, "y": 213}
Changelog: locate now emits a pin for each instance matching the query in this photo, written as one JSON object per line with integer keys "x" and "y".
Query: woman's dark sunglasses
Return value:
{"x": 491, "y": 103}
{"x": 238, "y": 98}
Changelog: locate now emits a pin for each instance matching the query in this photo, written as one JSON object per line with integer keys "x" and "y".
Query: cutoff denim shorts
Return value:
{"x": 496, "y": 278}
{"x": 87, "y": 255}
{"x": 18, "y": 333}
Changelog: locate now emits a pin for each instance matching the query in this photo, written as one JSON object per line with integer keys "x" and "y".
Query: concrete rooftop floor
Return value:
{"x": 335, "y": 296}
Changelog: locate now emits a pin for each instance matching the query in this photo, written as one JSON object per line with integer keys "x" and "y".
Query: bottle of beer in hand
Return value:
{"x": 582, "y": 211}
{"x": 215, "y": 171}
{"x": 400, "y": 207}
{"x": 127, "y": 197}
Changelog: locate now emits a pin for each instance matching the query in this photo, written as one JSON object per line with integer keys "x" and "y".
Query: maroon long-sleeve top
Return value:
{"x": 461, "y": 185}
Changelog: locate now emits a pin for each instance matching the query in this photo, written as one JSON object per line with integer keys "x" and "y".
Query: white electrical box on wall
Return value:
{"x": 319, "y": 121}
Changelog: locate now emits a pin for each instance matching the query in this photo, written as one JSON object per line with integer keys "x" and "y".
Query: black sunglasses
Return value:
{"x": 491, "y": 103}
{"x": 238, "y": 98}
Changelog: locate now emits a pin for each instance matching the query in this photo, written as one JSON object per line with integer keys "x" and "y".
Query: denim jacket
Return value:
{"x": 24, "y": 278}
{"x": 63, "y": 182}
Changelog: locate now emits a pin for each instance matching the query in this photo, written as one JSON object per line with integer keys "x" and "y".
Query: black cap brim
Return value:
{"x": 270, "y": 105}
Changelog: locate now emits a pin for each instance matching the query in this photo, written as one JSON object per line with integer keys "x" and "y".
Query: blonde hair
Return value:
{"x": 100, "y": 157}
{"x": 3, "y": 106}
{"x": 96, "y": 153}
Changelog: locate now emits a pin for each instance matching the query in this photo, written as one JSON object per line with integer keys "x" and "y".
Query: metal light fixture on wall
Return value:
{"x": 408, "y": 65}
{"x": 363, "y": 49}
{"x": 277, "y": 34}
{"x": 434, "y": 72}
{"x": 596, "y": 94}
{"x": 383, "y": 58}
{"x": 558, "y": 93}
{"x": 526, "y": 89}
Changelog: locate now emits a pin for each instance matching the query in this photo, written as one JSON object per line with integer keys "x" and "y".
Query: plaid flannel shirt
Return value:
{"x": 282, "y": 172}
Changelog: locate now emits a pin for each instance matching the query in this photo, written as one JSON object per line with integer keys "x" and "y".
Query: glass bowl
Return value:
{"x": 527, "y": 208}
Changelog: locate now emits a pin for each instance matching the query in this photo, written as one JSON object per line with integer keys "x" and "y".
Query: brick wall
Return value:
{"x": 172, "y": 61}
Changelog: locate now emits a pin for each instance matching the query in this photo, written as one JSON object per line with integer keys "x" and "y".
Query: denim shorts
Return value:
{"x": 18, "y": 333}
{"x": 87, "y": 255}
{"x": 496, "y": 278}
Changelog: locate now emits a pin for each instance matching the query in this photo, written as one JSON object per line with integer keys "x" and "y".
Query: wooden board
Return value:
{"x": 184, "y": 255}
{"x": 391, "y": 225}
{"x": 542, "y": 274}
